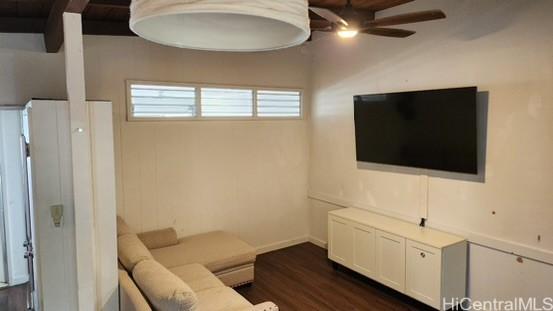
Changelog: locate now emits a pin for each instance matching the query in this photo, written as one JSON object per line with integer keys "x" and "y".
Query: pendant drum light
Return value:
{"x": 222, "y": 25}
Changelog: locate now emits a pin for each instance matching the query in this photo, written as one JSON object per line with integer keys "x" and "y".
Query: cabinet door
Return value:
{"x": 423, "y": 275}
{"x": 340, "y": 241}
{"x": 390, "y": 254}
{"x": 364, "y": 250}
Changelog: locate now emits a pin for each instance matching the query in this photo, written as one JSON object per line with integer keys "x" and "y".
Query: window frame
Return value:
{"x": 198, "y": 99}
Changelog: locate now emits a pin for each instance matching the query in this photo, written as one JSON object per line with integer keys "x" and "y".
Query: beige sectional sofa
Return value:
{"x": 229, "y": 258}
{"x": 162, "y": 272}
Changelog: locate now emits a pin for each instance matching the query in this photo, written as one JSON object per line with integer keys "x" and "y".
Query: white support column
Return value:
{"x": 81, "y": 160}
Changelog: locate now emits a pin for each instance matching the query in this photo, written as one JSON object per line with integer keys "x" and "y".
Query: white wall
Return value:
{"x": 247, "y": 177}
{"x": 498, "y": 275}
{"x": 503, "y": 47}
{"x": 196, "y": 176}
{"x": 26, "y": 71}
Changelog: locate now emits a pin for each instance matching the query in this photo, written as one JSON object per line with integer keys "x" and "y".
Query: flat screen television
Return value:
{"x": 433, "y": 129}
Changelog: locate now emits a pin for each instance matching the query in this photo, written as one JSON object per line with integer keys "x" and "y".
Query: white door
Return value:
{"x": 364, "y": 250}
{"x": 423, "y": 274}
{"x": 390, "y": 254}
{"x": 32, "y": 293}
{"x": 14, "y": 195}
{"x": 340, "y": 241}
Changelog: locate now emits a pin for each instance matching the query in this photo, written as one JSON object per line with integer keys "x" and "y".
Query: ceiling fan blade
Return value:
{"x": 328, "y": 15}
{"x": 389, "y": 32}
{"x": 320, "y": 23}
{"x": 408, "y": 18}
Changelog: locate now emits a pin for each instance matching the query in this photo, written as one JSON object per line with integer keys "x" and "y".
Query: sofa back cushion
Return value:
{"x": 131, "y": 251}
{"x": 159, "y": 238}
{"x": 164, "y": 290}
{"x": 122, "y": 227}
{"x": 130, "y": 297}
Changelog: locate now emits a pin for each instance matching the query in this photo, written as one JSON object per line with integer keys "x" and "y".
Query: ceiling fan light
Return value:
{"x": 222, "y": 25}
{"x": 347, "y": 34}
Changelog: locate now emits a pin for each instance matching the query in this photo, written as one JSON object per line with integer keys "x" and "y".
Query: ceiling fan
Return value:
{"x": 350, "y": 22}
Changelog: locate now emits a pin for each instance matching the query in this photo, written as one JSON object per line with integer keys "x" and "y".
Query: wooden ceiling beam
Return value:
{"x": 53, "y": 33}
{"x": 379, "y": 5}
{"x": 90, "y": 27}
{"x": 111, "y": 3}
{"x": 76, "y": 6}
{"x": 373, "y": 5}
{"x": 107, "y": 28}
{"x": 22, "y": 25}
{"x": 52, "y": 25}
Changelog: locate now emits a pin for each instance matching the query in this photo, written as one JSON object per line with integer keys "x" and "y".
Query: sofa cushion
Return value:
{"x": 122, "y": 227}
{"x": 130, "y": 297}
{"x": 197, "y": 277}
{"x": 159, "y": 238}
{"x": 131, "y": 251}
{"x": 165, "y": 291}
{"x": 216, "y": 250}
{"x": 222, "y": 299}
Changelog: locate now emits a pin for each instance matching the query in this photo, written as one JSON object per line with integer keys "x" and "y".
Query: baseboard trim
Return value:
{"x": 318, "y": 242}
{"x": 510, "y": 247}
{"x": 281, "y": 244}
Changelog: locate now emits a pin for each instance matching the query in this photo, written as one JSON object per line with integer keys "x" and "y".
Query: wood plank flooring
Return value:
{"x": 295, "y": 278}
{"x": 302, "y": 278}
{"x": 13, "y": 298}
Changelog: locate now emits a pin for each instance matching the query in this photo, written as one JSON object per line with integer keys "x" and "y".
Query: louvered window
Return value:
{"x": 170, "y": 101}
{"x": 279, "y": 104}
{"x": 162, "y": 101}
{"x": 227, "y": 102}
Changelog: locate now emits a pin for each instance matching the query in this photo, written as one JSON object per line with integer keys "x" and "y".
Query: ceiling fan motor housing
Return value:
{"x": 351, "y": 16}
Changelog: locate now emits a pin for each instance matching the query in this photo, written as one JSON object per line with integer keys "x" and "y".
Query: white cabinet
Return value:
{"x": 423, "y": 268}
{"x": 364, "y": 256}
{"x": 340, "y": 243}
{"x": 426, "y": 264}
{"x": 390, "y": 253}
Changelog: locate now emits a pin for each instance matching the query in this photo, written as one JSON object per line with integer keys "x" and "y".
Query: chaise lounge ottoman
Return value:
{"x": 225, "y": 255}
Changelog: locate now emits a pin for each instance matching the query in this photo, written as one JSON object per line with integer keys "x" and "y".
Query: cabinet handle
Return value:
{"x": 423, "y": 255}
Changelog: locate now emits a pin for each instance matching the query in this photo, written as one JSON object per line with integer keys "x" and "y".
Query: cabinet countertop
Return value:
{"x": 431, "y": 237}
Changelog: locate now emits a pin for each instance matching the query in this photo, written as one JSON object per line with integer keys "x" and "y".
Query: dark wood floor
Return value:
{"x": 302, "y": 278}
{"x": 13, "y": 298}
{"x": 295, "y": 278}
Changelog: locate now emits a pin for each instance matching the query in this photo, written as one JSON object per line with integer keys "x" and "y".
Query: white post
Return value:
{"x": 81, "y": 160}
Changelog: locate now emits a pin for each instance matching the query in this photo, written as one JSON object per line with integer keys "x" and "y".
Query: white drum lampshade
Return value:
{"x": 222, "y": 25}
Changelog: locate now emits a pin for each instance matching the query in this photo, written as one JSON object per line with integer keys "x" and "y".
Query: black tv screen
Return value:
{"x": 434, "y": 129}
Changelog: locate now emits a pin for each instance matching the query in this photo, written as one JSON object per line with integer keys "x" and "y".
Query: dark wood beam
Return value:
{"x": 372, "y": 5}
{"x": 22, "y": 25}
{"x": 90, "y": 27}
{"x": 107, "y": 28}
{"x": 76, "y": 6}
{"x": 53, "y": 33}
{"x": 111, "y": 3}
